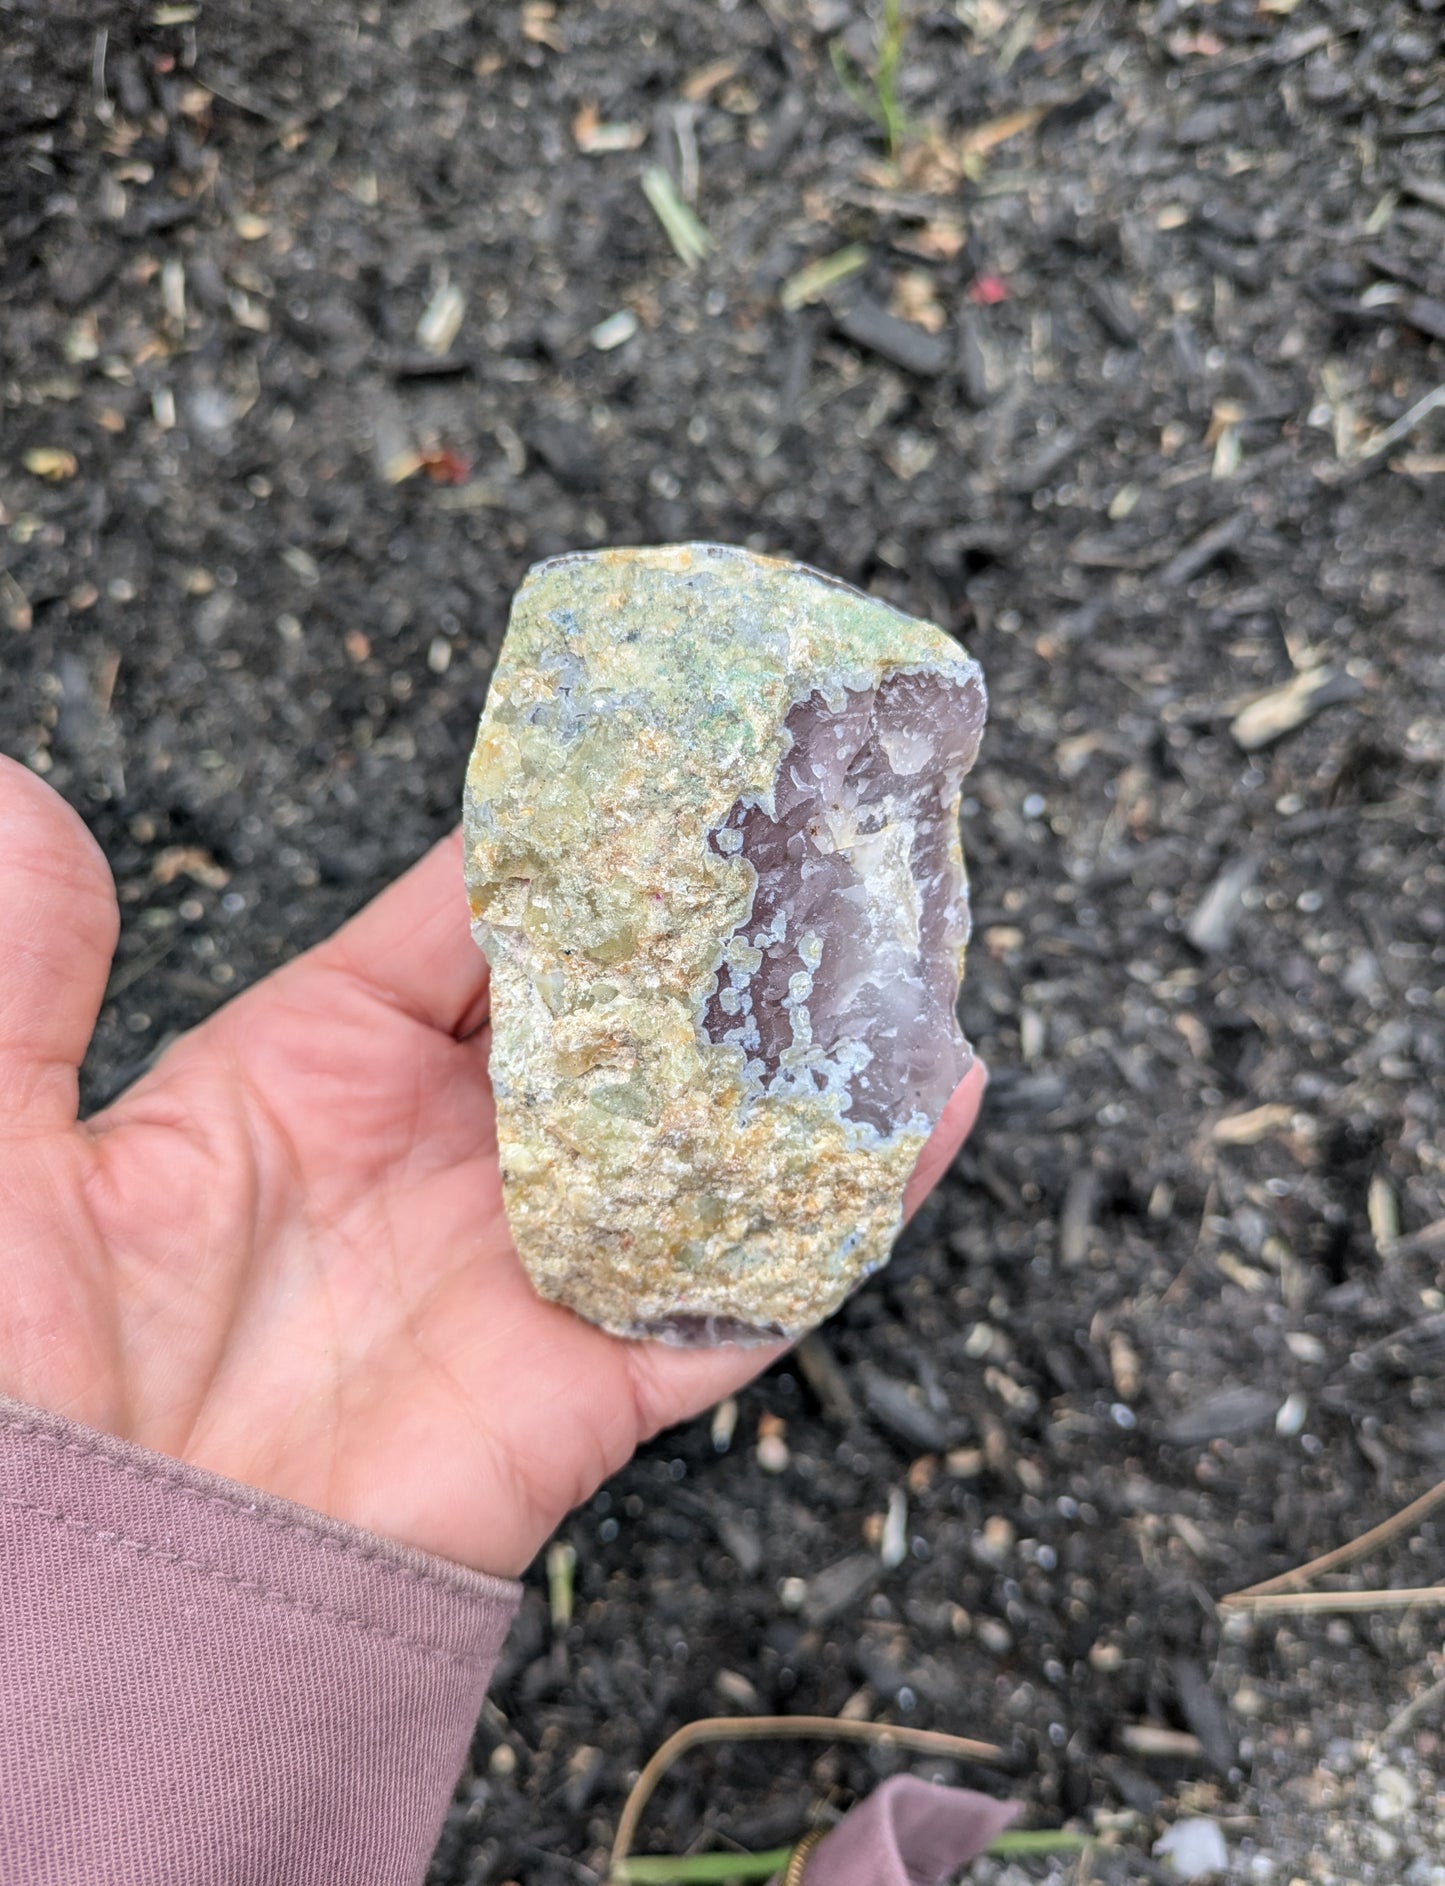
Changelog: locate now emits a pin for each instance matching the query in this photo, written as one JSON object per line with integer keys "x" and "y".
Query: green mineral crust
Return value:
{"x": 713, "y": 858}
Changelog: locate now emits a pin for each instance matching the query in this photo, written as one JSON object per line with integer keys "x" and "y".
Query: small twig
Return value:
{"x": 1346, "y": 1554}
{"x": 1389, "y": 1598}
{"x": 1403, "y": 426}
{"x": 1407, "y": 1717}
{"x": 780, "y": 1728}
{"x": 141, "y": 964}
{"x": 1085, "y": 1872}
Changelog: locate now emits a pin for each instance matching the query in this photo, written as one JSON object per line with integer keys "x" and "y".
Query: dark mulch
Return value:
{"x": 1121, "y": 446}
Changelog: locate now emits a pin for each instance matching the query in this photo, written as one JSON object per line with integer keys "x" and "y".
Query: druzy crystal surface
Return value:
{"x": 843, "y": 977}
{"x": 713, "y": 858}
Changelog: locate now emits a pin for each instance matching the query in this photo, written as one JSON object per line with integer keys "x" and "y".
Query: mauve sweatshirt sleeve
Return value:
{"x": 201, "y": 1685}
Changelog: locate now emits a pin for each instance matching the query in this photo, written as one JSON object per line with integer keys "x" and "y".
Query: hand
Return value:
{"x": 282, "y": 1254}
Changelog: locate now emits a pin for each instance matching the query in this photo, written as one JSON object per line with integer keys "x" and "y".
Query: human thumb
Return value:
{"x": 58, "y": 926}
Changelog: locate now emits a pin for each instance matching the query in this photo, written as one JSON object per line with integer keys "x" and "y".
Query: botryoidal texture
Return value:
{"x": 713, "y": 858}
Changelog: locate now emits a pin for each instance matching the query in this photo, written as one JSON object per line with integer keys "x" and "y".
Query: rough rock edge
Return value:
{"x": 639, "y": 1189}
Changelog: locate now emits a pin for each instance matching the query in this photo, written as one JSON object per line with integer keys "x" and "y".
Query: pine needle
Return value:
{"x": 1387, "y": 1598}
{"x": 1341, "y": 1556}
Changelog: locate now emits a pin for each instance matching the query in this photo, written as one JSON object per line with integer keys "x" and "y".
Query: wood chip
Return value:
{"x": 1211, "y": 928}
{"x": 1383, "y": 1212}
{"x": 1124, "y": 1366}
{"x": 938, "y": 240}
{"x": 190, "y": 861}
{"x": 724, "y": 1424}
{"x": 1269, "y": 717}
{"x": 701, "y": 84}
{"x": 831, "y": 1591}
{"x": 826, "y": 1379}
{"x": 1256, "y": 1282}
{"x": 442, "y": 320}
{"x": 615, "y": 331}
{"x": 539, "y": 25}
{"x": 773, "y": 1454}
{"x": 915, "y": 298}
{"x": 1228, "y": 1415}
{"x": 1205, "y": 1713}
{"x": 1147, "y": 1739}
{"x": 595, "y": 139}
{"x": 1207, "y": 548}
{"x": 561, "y": 1567}
{"x": 1248, "y": 1129}
{"x": 987, "y": 137}
{"x": 1077, "y": 1218}
{"x": 893, "y": 1544}
{"x": 736, "y": 1688}
{"x": 51, "y": 463}
{"x": 15, "y": 609}
{"x": 901, "y": 1410}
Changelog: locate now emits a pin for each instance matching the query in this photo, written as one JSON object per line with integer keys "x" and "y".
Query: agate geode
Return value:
{"x": 713, "y": 858}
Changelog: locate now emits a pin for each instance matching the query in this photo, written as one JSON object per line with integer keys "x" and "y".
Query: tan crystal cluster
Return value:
{"x": 713, "y": 858}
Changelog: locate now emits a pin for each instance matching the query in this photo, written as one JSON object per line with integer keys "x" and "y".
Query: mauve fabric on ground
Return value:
{"x": 201, "y": 1685}
{"x": 907, "y": 1833}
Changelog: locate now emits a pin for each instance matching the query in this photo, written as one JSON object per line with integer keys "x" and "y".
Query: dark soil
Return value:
{"x": 1124, "y": 447}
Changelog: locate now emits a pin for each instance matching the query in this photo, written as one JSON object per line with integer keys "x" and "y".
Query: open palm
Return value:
{"x": 282, "y": 1254}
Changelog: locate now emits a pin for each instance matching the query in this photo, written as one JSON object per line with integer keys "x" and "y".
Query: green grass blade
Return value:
{"x": 689, "y": 239}
{"x": 847, "y": 76}
{"x": 1039, "y": 1840}
{"x": 700, "y": 1869}
{"x": 814, "y": 280}
{"x": 716, "y": 1869}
